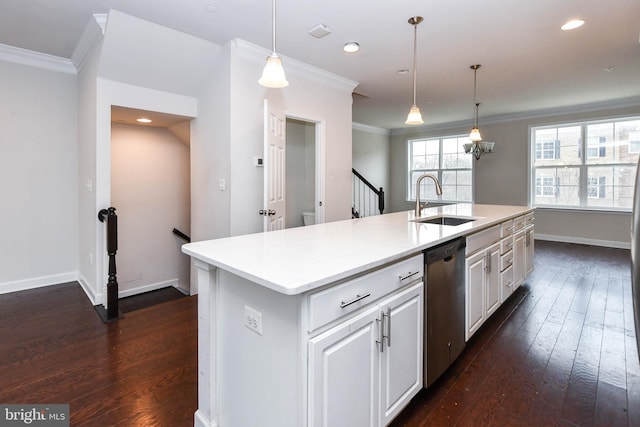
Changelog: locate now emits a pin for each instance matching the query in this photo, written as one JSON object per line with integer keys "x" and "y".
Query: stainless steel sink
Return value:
{"x": 444, "y": 220}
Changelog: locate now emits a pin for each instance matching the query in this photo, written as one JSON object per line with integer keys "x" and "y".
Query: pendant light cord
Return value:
{"x": 415, "y": 38}
{"x": 273, "y": 25}
{"x": 475, "y": 71}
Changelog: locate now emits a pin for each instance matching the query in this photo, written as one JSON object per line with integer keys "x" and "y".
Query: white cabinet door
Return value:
{"x": 529, "y": 248}
{"x": 343, "y": 374}
{"x": 474, "y": 292}
{"x": 519, "y": 258}
{"x": 492, "y": 270}
{"x": 401, "y": 356}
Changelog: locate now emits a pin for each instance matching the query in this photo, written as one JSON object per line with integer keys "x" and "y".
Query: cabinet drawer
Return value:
{"x": 482, "y": 239}
{"x": 518, "y": 223}
{"x": 506, "y": 260}
{"x": 507, "y": 228}
{"x": 506, "y": 281}
{"x": 506, "y": 245}
{"x": 330, "y": 304}
{"x": 529, "y": 219}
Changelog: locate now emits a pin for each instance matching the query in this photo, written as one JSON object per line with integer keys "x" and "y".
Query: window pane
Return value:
{"x": 557, "y": 146}
{"x": 600, "y": 144}
{"x": 627, "y": 139}
{"x": 610, "y": 186}
{"x": 456, "y": 185}
{"x": 453, "y": 155}
{"x": 425, "y": 154}
{"x": 557, "y": 186}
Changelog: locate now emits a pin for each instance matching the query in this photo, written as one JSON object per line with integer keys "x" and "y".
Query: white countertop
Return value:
{"x": 299, "y": 259}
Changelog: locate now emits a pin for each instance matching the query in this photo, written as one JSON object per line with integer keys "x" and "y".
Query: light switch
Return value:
{"x": 222, "y": 185}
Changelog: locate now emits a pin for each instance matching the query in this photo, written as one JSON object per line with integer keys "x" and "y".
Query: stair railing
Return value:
{"x": 367, "y": 199}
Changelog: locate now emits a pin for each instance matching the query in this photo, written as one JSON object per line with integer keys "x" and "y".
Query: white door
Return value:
{"x": 492, "y": 292}
{"x": 474, "y": 296}
{"x": 343, "y": 374}
{"x": 274, "y": 166}
{"x": 402, "y": 361}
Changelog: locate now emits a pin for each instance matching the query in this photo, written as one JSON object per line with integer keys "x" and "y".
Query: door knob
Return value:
{"x": 271, "y": 212}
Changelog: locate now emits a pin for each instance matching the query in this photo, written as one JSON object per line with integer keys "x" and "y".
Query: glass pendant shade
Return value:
{"x": 273, "y": 73}
{"x": 414, "y": 117}
{"x": 475, "y": 135}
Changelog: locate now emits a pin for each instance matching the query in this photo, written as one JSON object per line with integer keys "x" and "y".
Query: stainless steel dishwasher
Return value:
{"x": 444, "y": 303}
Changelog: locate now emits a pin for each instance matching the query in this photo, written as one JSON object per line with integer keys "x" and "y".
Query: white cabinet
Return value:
{"x": 365, "y": 369}
{"x": 482, "y": 278}
{"x": 519, "y": 258}
{"x": 529, "y": 242}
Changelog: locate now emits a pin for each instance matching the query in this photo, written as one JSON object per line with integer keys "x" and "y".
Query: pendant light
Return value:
{"x": 414, "y": 117}
{"x": 475, "y": 132}
{"x": 273, "y": 73}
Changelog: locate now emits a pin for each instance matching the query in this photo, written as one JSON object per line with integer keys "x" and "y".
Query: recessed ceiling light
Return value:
{"x": 351, "y": 47}
{"x": 403, "y": 71}
{"x": 608, "y": 69}
{"x": 572, "y": 24}
{"x": 143, "y": 120}
{"x": 212, "y": 8}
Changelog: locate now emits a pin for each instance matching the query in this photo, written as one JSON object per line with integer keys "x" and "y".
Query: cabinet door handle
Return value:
{"x": 358, "y": 297}
{"x": 387, "y": 315}
{"x": 402, "y": 278}
{"x": 380, "y": 339}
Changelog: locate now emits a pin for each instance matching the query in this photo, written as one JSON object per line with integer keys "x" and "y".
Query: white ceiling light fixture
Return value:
{"x": 475, "y": 132}
{"x": 351, "y": 47}
{"x": 273, "y": 73}
{"x": 572, "y": 24}
{"x": 414, "y": 117}
{"x": 143, "y": 120}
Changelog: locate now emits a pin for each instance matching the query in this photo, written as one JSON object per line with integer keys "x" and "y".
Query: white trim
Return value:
{"x": 93, "y": 297}
{"x": 38, "y": 282}
{"x": 370, "y": 129}
{"x": 534, "y": 114}
{"x": 583, "y": 241}
{"x": 36, "y": 59}
{"x": 150, "y": 287}
{"x": 91, "y": 36}
{"x": 258, "y": 54}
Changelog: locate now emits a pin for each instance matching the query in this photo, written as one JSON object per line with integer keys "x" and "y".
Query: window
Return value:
{"x": 445, "y": 158}
{"x": 589, "y": 165}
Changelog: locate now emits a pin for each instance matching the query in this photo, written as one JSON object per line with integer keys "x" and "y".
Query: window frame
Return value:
{"x": 409, "y": 197}
{"x": 584, "y": 185}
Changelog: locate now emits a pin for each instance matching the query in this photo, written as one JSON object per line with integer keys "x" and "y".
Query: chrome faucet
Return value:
{"x": 438, "y": 191}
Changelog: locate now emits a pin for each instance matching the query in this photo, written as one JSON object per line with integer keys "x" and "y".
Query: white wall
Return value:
{"x": 38, "y": 177}
{"x": 371, "y": 155}
{"x": 224, "y": 146}
{"x": 300, "y": 171}
{"x": 502, "y": 178}
{"x": 150, "y": 190}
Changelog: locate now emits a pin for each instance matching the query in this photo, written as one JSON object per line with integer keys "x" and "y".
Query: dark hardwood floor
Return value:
{"x": 560, "y": 352}
{"x": 138, "y": 371}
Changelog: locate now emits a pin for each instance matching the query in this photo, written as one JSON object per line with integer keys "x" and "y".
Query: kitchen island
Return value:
{"x": 281, "y": 313}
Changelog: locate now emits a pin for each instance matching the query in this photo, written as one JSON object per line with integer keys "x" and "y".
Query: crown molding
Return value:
{"x": 370, "y": 129}
{"x": 36, "y": 59}
{"x": 258, "y": 54}
{"x": 91, "y": 37}
{"x": 526, "y": 115}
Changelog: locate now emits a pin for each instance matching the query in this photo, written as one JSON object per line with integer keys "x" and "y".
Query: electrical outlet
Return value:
{"x": 253, "y": 319}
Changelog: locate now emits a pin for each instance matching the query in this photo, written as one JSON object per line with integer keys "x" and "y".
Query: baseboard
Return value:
{"x": 93, "y": 297}
{"x": 583, "y": 241}
{"x": 200, "y": 420}
{"x": 151, "y": 287}
{"x": 38, "y": 282}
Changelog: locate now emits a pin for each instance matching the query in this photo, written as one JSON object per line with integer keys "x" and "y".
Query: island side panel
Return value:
{"x": 207, "y": 413}
{"x": 260, "y": 375}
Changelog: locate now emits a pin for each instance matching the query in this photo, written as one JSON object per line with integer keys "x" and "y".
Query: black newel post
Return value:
{"x": 111, "y": 313}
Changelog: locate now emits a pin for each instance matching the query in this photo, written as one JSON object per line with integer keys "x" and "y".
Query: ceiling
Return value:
{"x": 528, "y": 63}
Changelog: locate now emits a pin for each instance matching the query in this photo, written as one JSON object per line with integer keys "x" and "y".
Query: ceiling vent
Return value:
{"x": 319, "y": 31}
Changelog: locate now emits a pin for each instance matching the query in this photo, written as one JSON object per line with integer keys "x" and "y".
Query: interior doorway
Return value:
{"x": 150, "y": 189}
{"x": 301, "y": 173}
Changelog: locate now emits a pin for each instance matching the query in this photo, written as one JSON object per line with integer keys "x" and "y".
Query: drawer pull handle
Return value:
{"x": 358, "y": 297}
{"x": 402, "y": 278}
